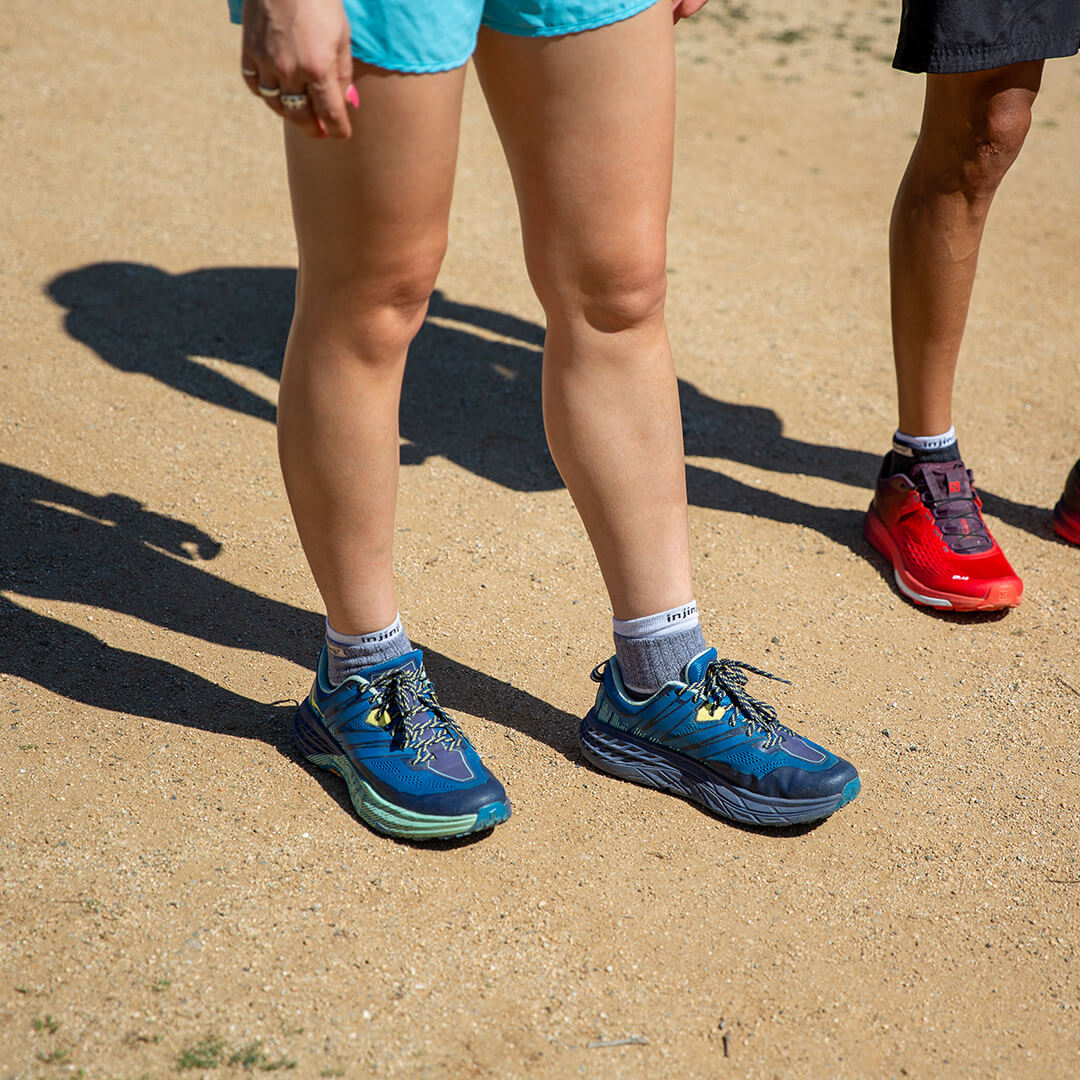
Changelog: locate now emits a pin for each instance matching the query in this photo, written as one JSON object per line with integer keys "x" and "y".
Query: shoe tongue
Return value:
{"x": 695, "y": 669}
{"x": 945, "y": 480}
{"x": 411, "y": 661}
{"x": 952, "y": 502}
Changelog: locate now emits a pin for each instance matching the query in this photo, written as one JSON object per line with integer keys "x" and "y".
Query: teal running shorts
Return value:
{"x": 438, "y": 35}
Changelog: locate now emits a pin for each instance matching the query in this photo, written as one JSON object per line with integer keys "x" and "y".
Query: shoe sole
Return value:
{"x": 1066, "y": 525}
{"x": 384, "y": 816}
{"x": 999, "y": 595}
{"x": 630, "y": 758}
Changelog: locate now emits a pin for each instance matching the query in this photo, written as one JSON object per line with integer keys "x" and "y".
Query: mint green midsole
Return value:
{"x": 386, "y": 816}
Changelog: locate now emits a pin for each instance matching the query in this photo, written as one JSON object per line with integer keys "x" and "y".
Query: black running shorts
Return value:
{"x": 949, "y": 36}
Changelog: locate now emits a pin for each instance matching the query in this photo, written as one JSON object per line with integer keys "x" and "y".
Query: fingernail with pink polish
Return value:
{"x": 352, "y": 97}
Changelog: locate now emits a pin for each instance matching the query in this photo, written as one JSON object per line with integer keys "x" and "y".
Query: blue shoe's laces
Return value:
{"x": 724, "y": 682}
{"x": 409, "y": 699}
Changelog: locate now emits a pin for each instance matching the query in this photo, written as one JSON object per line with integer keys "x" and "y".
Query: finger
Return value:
{"x": 345, "y": 76}
{"x": 689, "y": 7}
{"x": 297, "y": 110}
{"x": 249, "y": 73}
{"x": 265, "y": 83}
{"x": 327, "y": 101}
{"x": 345, "y": 63}
{"x": 268, "y": 87}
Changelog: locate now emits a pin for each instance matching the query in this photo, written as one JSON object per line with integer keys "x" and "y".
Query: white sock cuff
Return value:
{"x": 673, "y": 621}
{"x": 924, "y": 442}
{"x": 365, "y": 639}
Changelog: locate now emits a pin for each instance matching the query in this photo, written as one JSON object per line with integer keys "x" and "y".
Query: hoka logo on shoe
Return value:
{"x": 960, "y": 577}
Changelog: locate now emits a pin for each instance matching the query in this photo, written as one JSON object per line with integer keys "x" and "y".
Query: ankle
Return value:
{"x": 911, "y": 450}
{"x": 350, "y": 654}
{"x": 654, "y": 650}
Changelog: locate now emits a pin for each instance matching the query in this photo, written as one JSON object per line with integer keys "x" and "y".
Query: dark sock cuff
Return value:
{"x": 896, "y": 462}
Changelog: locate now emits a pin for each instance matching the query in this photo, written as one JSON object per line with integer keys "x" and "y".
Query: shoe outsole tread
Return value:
{"x": 630, "y": 758}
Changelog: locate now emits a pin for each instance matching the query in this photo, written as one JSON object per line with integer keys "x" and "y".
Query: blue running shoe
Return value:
{"x": 707, "y": 739}
{"x": 411, "y": 772}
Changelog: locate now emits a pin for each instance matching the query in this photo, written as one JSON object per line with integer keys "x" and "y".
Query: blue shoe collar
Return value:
{"x": 411, "y": 660}
{"x": 695, "y": 669}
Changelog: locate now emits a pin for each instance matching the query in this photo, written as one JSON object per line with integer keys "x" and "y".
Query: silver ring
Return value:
{"x": 248, "y": 73}
{"x": 294, "y": 101}
{"x": 269, "y": 91}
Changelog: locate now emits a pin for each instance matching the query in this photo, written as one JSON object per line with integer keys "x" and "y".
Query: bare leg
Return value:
{"x": 972, "y": 129}
{"x": 586, "y": 121}
{"x": 371, "y": 219}
{"x": 587, "y": 126}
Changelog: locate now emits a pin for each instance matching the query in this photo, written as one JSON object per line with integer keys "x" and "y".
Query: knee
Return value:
{"x": 997, "y": 127}
{"x": 610, "y": 292}
{"x": 373, "y": 311}
{"x": 370, "y": 316}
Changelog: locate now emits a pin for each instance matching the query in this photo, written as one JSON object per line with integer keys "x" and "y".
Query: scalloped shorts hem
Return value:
{"x": 428, "y": 36}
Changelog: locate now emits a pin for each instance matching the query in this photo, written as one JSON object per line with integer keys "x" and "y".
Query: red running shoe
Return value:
{"x": 927, "y": 523}
{"x": 1067, "y": 511}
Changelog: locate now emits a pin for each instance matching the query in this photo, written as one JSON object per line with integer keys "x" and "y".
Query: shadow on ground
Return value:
{"x": 472, "y": 396}
{"x": 472, "y": 387}
{"x": 110, "y": 553}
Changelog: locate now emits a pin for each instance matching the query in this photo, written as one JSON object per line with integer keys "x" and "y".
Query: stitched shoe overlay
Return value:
{"x": 1067, "y": 511}
{"x": 705, "y": 738}
{"x": 410, "y": 771}
{"x": 928, "y": 523}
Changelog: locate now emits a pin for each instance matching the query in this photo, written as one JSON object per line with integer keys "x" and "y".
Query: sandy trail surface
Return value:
{"x": 178, "y": 891}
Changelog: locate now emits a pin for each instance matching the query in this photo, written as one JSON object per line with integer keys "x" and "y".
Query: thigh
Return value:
{"x": 587, "y": 122}
{"x": 376, "y": 206}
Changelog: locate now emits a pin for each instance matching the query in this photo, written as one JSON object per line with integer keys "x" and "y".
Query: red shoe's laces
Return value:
{"x": 947, "y": 490}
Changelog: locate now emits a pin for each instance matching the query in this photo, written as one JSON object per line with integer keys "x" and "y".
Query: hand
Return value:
{"x": 299, "y": 49}
{"x": 683, "y": 9}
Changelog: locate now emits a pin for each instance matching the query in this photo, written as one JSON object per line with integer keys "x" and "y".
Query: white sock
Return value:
{"x": 349, "y": 654}
{"x": 902, "y": 442}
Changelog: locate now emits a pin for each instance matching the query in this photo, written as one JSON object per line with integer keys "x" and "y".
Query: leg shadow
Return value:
{"x": 78, "y": 666}
{"x": 719, "y": 492}
{"x": 467, "y": 398}
{"x": 109, "y": 552}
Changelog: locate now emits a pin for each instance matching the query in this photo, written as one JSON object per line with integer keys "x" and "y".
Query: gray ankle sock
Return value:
{"x": 654, "y": 650}
{"x": 350, "y": 654}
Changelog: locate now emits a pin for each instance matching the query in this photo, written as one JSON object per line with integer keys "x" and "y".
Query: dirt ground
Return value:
{"x": 181, "y": 896}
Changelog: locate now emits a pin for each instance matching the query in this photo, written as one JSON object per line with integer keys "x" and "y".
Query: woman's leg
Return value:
{"x": 586, "y": 121}
{"x": 371, "y": 217}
